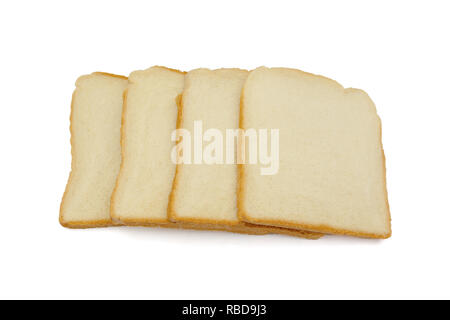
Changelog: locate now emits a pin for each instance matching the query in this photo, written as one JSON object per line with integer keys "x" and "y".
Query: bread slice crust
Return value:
{"x": 243, "y": 215}
{"x": 81, "y": 224}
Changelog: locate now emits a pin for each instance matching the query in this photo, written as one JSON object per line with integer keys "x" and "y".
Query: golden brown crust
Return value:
{"x": 114, "y": 216}
{"x": 224, "y": 225}
{"x": 175, "y": 218}
{"x": 141, "y": 222}
{"x": 111, "y": 75}
{"x": 81, "y": 223}
{"x": 87, "y": 224}
{"x": 242, "y": 228}
{"x": 240, "y": 189}
{"x": 170, "y": 69}
{"x": 243, "y": 215}
{"x": 314, "y": 228}
{"x": 385, "y": 184}
{"x": 202, "y": 227}
{"x": 61, "y": 209}
{"x": 171, "y": 215}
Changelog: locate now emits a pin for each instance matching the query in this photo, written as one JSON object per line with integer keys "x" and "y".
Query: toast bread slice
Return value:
{"x": 96, "y": 111}
{"x": 332, "y": 176}
{"x": 146, "y": 173}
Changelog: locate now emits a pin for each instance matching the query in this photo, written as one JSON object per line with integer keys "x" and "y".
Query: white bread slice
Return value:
{"x": 95, "y": 139}
{"x": 145, "y": 180}
{"x": 332, "y": 169}
{"x": 205, "y": 194}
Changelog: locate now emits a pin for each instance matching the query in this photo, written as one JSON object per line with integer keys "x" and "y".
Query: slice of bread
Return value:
{"x": 205, "y": 194}
{"x": 331, "y": 174}
{"x": 145, "y": 180}
{"x": 95, "y": 139}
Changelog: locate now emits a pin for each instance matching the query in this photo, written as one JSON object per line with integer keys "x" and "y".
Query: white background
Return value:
{"x": 398, "y": 51}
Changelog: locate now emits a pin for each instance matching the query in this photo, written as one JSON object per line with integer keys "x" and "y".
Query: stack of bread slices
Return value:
{"x": 128, "y": 167}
